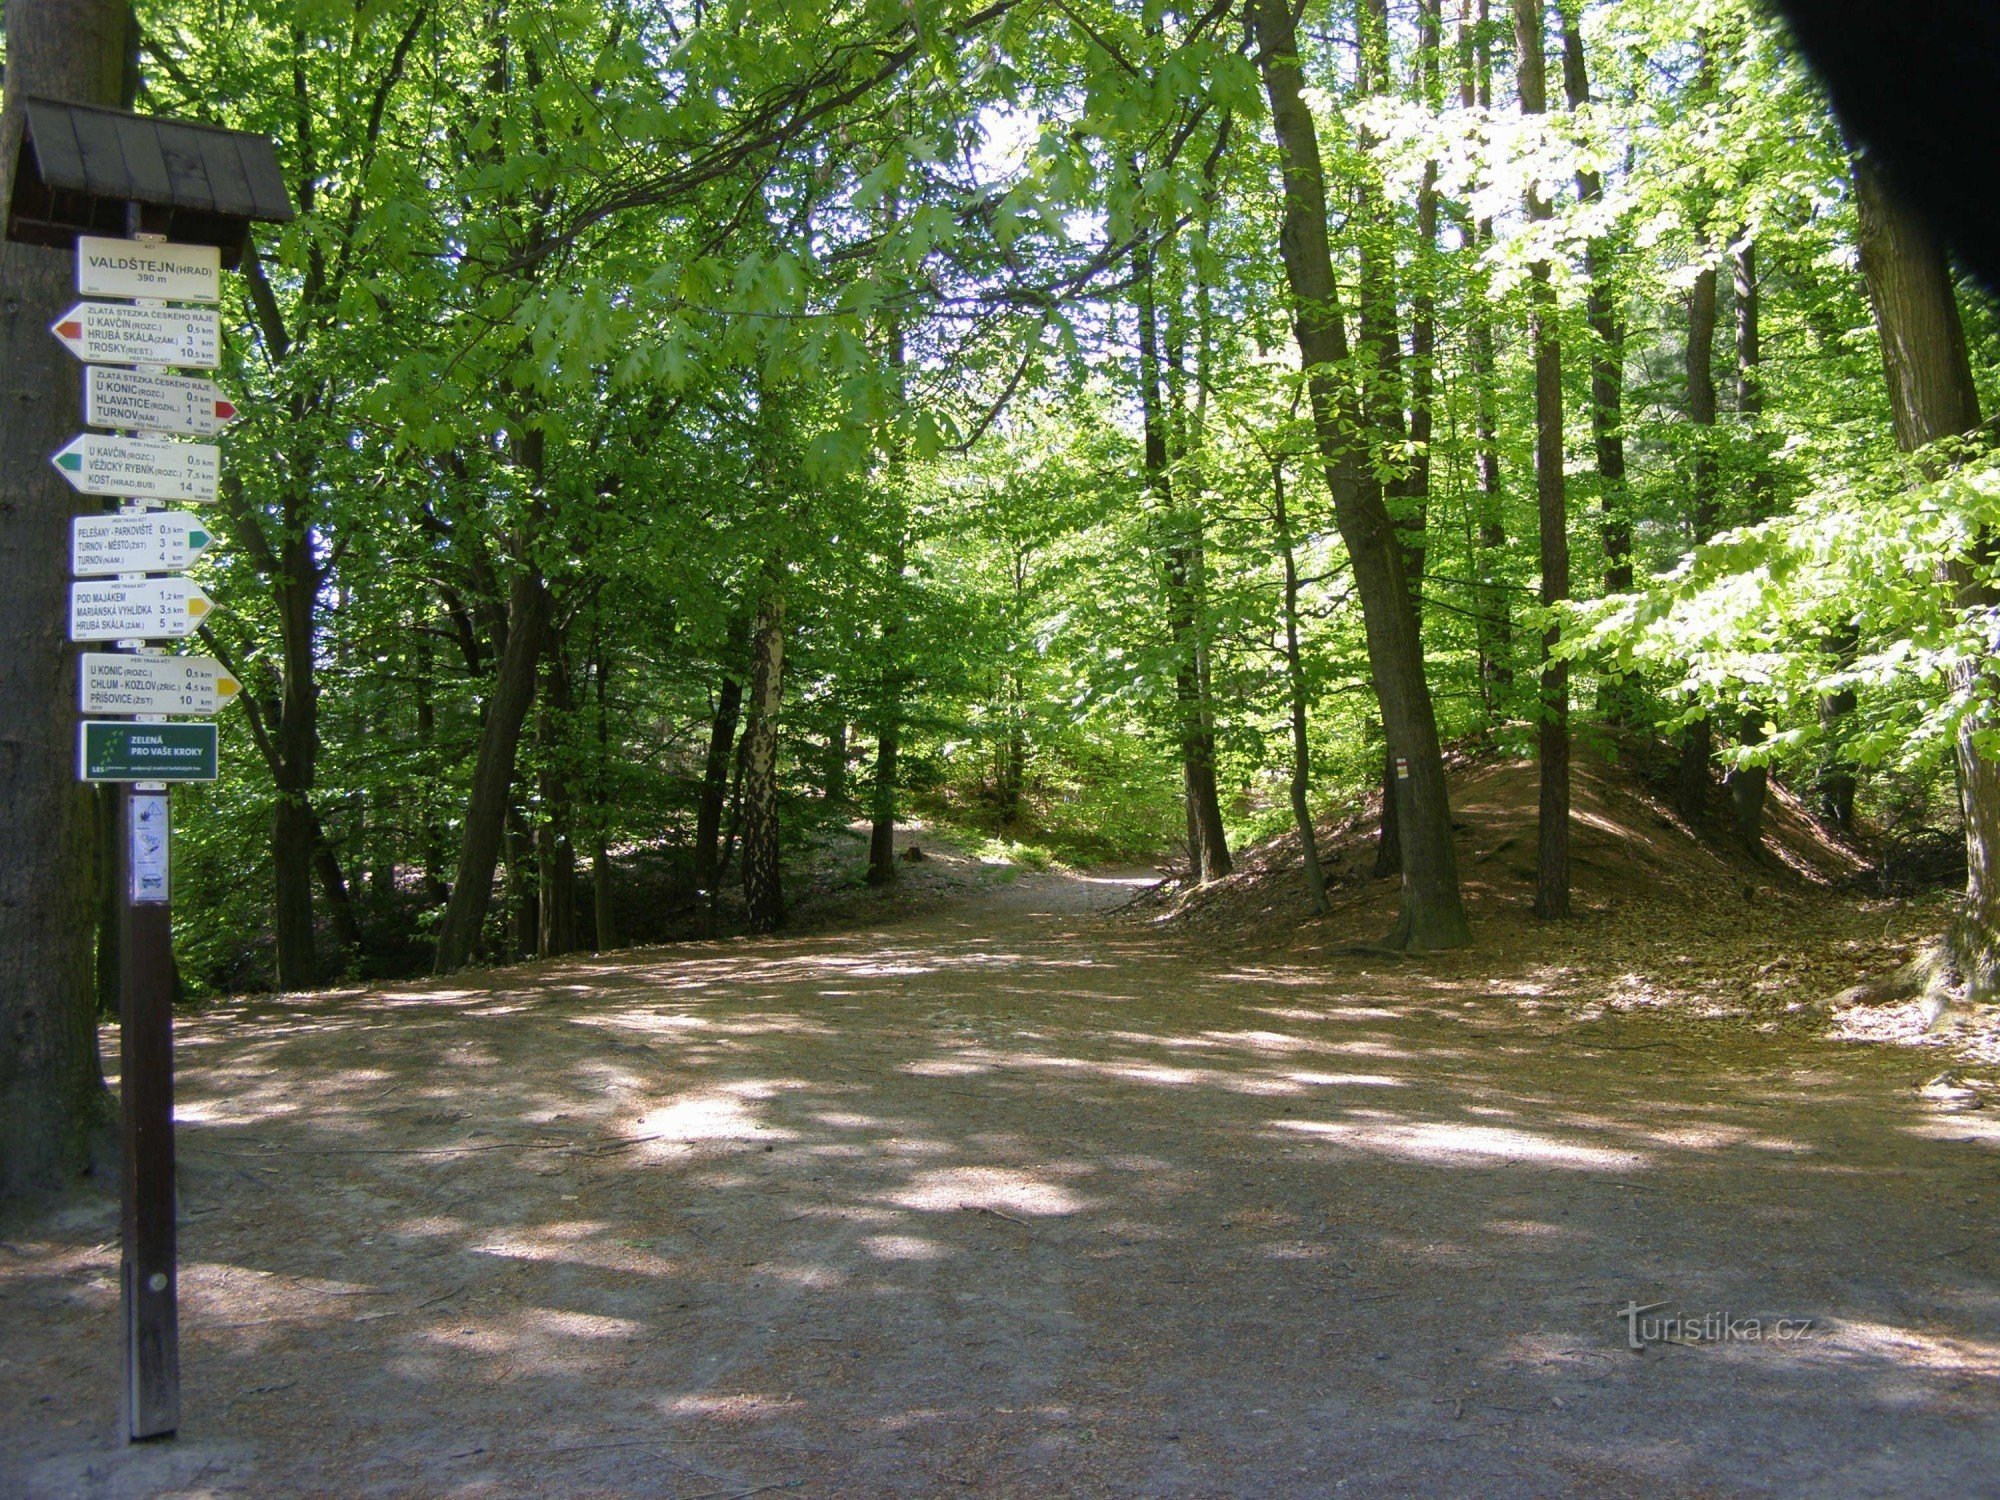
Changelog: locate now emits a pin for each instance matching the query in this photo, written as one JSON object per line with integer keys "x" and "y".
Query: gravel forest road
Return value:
{"x": 1015, "y": 1199}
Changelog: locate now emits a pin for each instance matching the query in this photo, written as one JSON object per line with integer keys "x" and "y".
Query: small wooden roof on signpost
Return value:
{"x": 81, "y": 165}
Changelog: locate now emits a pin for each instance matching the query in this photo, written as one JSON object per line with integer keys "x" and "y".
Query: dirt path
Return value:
{"x": 1013, "y": 1201}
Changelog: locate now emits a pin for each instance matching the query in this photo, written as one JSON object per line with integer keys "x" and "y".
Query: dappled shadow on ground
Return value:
{"x": 1007, "y": 1202}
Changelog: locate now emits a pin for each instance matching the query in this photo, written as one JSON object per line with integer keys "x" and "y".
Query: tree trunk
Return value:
{"x": 1552, "y": 508}
{"x": 603, "y": 914}
{"x": 882, "y": 798}
{"x": 833, "y": 771}
{"x": 1208, "y": 847}
{"x": 1749, "y": 784}
{"x": 1607, "y": 355}
{"x": 292, "y": 824}
{"x": 529, "y": 610}
{"x": 1932, "y": 395}
{"x": 889, "y": 700}
{"x": 1377, "y": 330}
{"x": 763, "y": 892}
{"x": 334, "y": 891}
{"x": 1432, "y": 916}
{"x": 555, "y": 852}
{"x": 1296, "y": 686}
{"x": 54, "y": 1112}
{"x": 519, "y": 889}
{"x": 603, "y": 891}
{"x": 436, "y": 892}
{"x": 1838, "y": 774}
{"x": 1494, "y": 627}
{"x": 1694, "y": 778}
{"x": 715, "y": 790}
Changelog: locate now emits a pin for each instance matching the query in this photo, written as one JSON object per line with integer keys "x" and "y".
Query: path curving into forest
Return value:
{"x": 1018, "y": 1199}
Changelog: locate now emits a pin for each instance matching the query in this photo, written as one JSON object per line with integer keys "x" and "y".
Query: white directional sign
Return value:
{"x": 180, "y": 404}
{"x": 131, "y": 268}
{"x": 154, "y": 684}
{"x": 141, "y": 468}
{"x": 117, "y": 333}
{"x": 158, "y": 608}
{"x": 161, "y": 541}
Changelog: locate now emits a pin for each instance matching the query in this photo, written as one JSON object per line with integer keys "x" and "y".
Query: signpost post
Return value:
{"x": 130, "y": 593}
{"x": 82, "y": 170}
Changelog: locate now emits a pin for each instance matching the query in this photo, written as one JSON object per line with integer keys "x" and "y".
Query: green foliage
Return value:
{"x": 671, "y": 304}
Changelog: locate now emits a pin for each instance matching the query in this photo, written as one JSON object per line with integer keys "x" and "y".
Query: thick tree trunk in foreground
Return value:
{"x": 763, "y": 892}
{"x": 1552, "y": 508}
{"x": 1933, "y": 397}
{"x": 1433, "y": 916}
{"x": 528, "y": 615}
{"x": 53, "y": 1108}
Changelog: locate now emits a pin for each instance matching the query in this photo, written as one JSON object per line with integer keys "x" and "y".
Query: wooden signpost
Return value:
{"x": 183, "y": 195}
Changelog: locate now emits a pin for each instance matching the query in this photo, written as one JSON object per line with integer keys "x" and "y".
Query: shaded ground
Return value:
{"x": 1012, "y": 1200}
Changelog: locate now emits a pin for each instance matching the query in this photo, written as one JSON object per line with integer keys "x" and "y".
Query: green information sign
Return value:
{"x": 148, "y": 752}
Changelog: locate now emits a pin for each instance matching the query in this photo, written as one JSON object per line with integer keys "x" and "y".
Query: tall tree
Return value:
{"x": 1933, "y": 398}
{"x": 1693, "y": 779}
{"x": 1180, "y": 551}
{"x": 1494, "y": 626}
{"x": 763, "y": 890}
{"x": 1379, "y": 339}
{"x": 1749, "y": 784}
{"x": 889, "y": 695}
{"x": 1299, "y": 695}
{"x": 1433, "y": 914}
{"x": 1607, "y": 353}
{"x": 1551, "y": 503}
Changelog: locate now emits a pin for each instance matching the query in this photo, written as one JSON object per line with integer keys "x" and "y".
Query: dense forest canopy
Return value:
{"x": 672, "y": 430}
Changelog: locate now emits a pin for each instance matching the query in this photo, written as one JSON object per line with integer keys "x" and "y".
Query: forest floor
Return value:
{"x": 1019, "y": 1196}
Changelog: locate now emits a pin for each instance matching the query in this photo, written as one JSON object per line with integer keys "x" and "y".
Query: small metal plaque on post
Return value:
{"x": 147, "y": 859}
